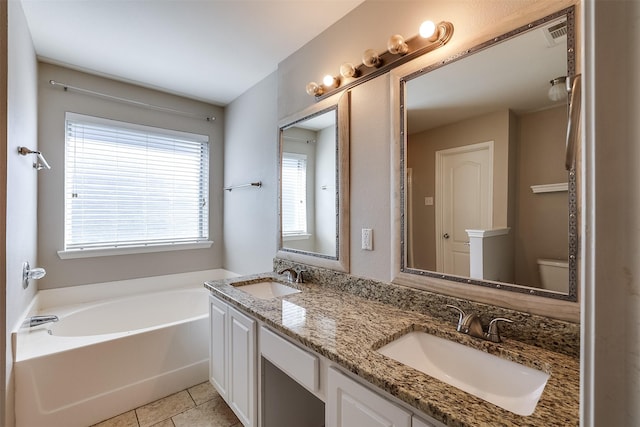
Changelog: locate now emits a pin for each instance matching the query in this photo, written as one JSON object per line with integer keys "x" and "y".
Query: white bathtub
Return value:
{"x": 110, "y": 355}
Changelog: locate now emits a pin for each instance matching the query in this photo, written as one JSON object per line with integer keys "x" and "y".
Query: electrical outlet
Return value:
{"x": 367, "y": 239}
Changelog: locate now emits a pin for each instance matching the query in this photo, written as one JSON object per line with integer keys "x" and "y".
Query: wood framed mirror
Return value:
{"x": 313, "y": 163}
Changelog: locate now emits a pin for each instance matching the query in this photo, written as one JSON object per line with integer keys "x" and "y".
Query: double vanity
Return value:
{"x": 315, "y": 354}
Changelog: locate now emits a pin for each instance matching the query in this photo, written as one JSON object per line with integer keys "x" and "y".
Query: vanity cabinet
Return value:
{"x": 349, "y": 404}
{"x": 253, "y": 366}
{"x": 233, "y": 359}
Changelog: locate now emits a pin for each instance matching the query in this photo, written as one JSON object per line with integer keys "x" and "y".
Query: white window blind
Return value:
{"x": 294, "y": 194}
{"x": 129, "y": 185}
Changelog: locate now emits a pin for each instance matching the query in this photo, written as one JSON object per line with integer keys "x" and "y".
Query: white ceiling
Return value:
{"x": 210, "y": 50}
{"x": 514, "y": 75}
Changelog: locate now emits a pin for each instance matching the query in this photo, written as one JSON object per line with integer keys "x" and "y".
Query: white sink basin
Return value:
{"x": 507, "y": 384}
{"x": 268, "y": 290}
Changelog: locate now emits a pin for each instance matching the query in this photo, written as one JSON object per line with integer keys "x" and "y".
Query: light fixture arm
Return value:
{"x": 415, "y": 47}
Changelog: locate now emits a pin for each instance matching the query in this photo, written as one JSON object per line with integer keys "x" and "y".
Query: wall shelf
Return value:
{"x": 550, "y": 188}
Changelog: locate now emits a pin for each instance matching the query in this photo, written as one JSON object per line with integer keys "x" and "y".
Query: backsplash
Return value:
{"x": 551, "y": 334}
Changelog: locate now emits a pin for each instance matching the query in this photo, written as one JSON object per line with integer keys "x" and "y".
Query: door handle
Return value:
{"x": 445, "y": 235}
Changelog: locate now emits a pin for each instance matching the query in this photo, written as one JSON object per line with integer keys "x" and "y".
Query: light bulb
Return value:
{"x": 370, "y": 58}
{"x": 330, "y": 81}
{"x": 314, "y": 89}
{"x": 397, "y": 45}
{"x": 427, "y": 29}
{"x": 347, "y": 70}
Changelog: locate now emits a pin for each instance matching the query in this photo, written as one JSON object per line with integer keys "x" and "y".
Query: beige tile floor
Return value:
{"x": 198, "y": 406}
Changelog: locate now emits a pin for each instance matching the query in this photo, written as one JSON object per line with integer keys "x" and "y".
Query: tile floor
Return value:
{"x": 198, "y": 406}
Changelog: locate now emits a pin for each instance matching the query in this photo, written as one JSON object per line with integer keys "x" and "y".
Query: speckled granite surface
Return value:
{"x": 550, "y": 334}
{"x": 347, "y": 329}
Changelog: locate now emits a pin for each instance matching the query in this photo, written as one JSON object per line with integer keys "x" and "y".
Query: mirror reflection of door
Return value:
{"x": 464, "y": 188}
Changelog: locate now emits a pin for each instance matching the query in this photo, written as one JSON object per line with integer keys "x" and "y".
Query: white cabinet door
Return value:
{"x": 218, "y": 320}
{"x": 242, "y": 367}
{"x": 350, "y": 404}
{"x": 232, "y": 364}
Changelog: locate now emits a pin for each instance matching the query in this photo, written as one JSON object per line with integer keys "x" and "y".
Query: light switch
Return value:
{"x": 428, "y": 201}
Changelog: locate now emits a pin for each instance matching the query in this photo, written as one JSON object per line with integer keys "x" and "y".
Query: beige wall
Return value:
{"x": 251, "y": 154}
{"x": 542, "y": 223}
{"x": 53, "y": 103}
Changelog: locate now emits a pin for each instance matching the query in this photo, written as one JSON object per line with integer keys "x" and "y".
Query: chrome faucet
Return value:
{"x": 39, "y": 320}
{"x": 293, "y": 275}
{"x": 471, "y": 325}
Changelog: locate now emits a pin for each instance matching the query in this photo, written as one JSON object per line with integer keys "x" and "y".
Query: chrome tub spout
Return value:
{"x": 39, "y": 320}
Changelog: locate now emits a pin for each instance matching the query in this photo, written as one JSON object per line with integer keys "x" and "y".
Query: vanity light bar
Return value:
{"x": 398, "y": 52}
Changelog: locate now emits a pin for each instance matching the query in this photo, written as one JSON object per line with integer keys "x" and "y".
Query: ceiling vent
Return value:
{"x": 555, "y": 33}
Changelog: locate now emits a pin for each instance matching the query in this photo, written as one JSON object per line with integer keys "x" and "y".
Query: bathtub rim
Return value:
{"x": 36, "y": 342}
{"x": 78, "y": 296}
{"x": 68, "y": 311}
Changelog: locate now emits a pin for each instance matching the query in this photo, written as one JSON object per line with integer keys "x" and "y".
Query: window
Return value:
{"x": 132, "y": 186}
{"x": 294, "y": 195}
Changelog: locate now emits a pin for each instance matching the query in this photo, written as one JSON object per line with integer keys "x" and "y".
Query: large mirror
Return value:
{"x": 313, "y": 166}
{"x": 485, "y": 196}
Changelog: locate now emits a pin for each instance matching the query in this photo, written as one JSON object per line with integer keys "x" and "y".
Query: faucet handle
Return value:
{"x": 299, "y": 277}
{"x": 493, "y": 333}
{"x": 462, "y": 316}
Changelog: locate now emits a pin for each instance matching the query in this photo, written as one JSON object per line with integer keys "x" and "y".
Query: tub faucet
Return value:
{"x": 39, "y": 320}
{"x": 293, "y": 275}
{"x": 471, "y": 324}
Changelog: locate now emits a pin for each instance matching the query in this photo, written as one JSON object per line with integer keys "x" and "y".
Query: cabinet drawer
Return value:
{"x": 289, "y": 358}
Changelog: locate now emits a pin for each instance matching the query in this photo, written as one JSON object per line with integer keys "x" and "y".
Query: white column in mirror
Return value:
{"x": 491, "y": 254}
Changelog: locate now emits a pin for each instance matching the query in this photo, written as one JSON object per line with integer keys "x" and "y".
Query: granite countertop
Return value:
{"x": 347, "y": 329}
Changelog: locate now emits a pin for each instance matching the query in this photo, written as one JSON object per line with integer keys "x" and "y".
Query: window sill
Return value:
{"x": 91, "y": 253}
{"x": 296, "y": 237}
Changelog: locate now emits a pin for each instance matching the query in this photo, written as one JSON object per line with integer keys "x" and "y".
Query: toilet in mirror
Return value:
{"x": 486, "y": 197}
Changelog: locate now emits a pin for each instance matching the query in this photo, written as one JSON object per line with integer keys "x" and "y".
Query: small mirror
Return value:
{"x": 486, "y": 199}
{"x": 314, "y": 147}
